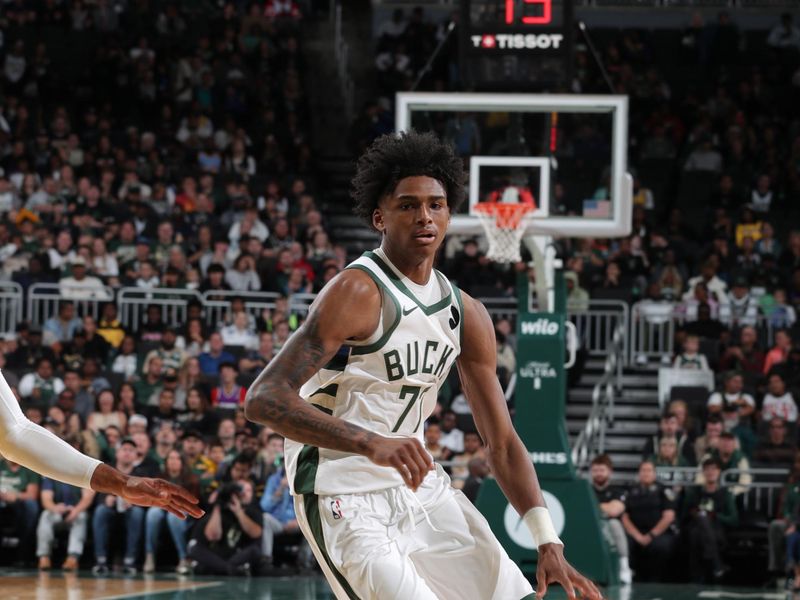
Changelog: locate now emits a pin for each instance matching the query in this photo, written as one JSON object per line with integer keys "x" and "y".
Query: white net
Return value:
{"x": 504, "y": 225}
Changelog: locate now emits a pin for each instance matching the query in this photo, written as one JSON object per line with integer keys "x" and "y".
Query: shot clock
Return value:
{"x": 516, "y": 45}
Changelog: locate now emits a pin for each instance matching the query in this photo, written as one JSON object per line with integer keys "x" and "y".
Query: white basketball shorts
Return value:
{"x": 395, "y": 544}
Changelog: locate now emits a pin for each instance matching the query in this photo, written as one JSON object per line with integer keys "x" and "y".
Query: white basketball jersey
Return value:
{"x": 387, "y": 384}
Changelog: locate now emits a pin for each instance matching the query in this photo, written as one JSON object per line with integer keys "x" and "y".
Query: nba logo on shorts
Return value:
{"x": 336, "y": 508}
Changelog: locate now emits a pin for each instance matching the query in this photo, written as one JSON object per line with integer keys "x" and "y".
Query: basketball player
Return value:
{"x": 351, "y": 390}
{"x": 40, "y": 450}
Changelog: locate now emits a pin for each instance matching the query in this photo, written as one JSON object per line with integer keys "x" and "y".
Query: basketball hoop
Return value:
{"x": 504, "y": 224}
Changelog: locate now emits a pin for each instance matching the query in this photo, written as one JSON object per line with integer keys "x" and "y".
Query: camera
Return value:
{"x": 227, "y": 492}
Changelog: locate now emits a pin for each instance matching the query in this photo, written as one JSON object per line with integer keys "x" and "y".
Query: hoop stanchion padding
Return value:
{"x": 504, "y": 224}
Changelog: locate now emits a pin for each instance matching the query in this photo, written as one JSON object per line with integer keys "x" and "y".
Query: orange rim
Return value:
{"x": 506, "y": 216}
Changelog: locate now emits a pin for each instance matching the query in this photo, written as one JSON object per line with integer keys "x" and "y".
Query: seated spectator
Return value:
{"x": 778, "y": 402}
{"x": 226, "y": 435}
{"x": 41, "y": 387}
{"x": 433, "y": 441}
{"x": 277, "y": 506}
{"x": 730, "y": 457}
{"x": 691, "y": 306}
{"x": 198, "y": 416}
{"x": 779, "y": 352}
{"x": 478, "y": 471}
{"x": 126, "y": 362}
{"x": 611, "y": 500}
{"x": 669, "y": 427}
{"x": 109, "y": 507}
{"x": 733, "y": 396}
{"x": 67, "y": 505}
{"x": 667, "y": 455}
{"x": 61, "y": 328}
{"x": 148, "y": 387}
{"x": 80, "y": 285}
{"x": 254, "y": 360}
{"x": 229, "y": 536}
{"x": 717, "y": 289}
{"x": 193, "y": 447}
{"x": 745, "y": 357}
{"x": 648, "y": 518}
{"x": 19, "y": 503}
{"x": 452, "y": 437}
{"x": 473, "y": 448}
{"x": 164, "y": 414}
{"x": 228, "y": 395}
{"x": 211, "y": 359}
{"x": 777, "y": 449}
{"x": 96, "y": 345}
{"x": 171, "y": 356}
{"x": 706, "y": 513}
{"x": 742, "y": 306}
{"x": 690, "y": 358}
{"x": 780, "y": 315}
{"x": 242, "y": 277}
{"x": 239, "y": 333}
{"x": 177, "y": 472}
{"x": 163, "y": 441}
{"x": 686, "y": 423}
{"x": 106, "y": 413}
{"x": 786, "y": 524}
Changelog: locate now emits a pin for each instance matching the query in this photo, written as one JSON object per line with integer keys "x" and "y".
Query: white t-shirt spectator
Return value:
{"x": 453, "y": 440}
{"x": 696, "y": 362}
{"x": 720, "y": 399}
{"x": 233, "y": 336}
{"x": 32, "y": 380}
{"x": 87, "y": 288}
{"x": 782, "y": 407}
{"x": 125, "y": 364}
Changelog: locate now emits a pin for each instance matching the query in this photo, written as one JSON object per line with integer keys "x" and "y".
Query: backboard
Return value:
{"x": 568, "y": 151}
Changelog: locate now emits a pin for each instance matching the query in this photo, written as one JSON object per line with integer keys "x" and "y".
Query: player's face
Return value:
{"x": 415, "y": 215}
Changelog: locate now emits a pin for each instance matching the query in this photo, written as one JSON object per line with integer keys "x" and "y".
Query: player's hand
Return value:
{"x": 554, "y": 568}
{"x": 404, "y": 454}
{"x": 144, "y": 491}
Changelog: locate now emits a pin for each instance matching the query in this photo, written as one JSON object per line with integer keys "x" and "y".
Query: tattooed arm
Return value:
{"x": 347, "y": 309}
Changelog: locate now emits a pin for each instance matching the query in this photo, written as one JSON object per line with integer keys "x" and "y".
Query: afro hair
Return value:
{"x": 394, "y": 157}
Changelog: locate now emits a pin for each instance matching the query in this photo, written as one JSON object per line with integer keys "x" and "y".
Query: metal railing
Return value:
{"x": 172, "y": 302}
{"x": 592, "y": 438}
{"x": 11, "y": 306}
{"x": 44, "y": 298}
{"x": 217, "y": 304}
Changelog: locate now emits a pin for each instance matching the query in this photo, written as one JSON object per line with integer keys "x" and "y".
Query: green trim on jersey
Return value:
{"x": 457, "y": 294}
{"x": 311, "y": 504}
{"x": 378, "y": 344}
{"x": 428, "y": 310}
{"x": 307, "y": 463}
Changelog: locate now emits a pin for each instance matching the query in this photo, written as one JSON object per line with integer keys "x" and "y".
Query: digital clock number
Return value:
{"x": 544, "y": 18}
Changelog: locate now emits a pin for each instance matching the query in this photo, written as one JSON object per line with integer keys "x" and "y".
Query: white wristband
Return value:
{"x": 538, "y": 521}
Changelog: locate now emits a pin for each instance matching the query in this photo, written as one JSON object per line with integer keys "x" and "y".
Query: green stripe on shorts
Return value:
{"x": 311, "y": 503}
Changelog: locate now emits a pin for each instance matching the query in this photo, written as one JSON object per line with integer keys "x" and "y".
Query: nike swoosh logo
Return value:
{"x": 408, "y": 312}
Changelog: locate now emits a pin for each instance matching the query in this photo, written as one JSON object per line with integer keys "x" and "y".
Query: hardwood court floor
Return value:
{"x": 30, "y": 585}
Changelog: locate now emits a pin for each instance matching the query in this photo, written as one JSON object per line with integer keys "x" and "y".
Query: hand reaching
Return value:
{"x": 144, "y": 491}
{"x": 554, "y": 568}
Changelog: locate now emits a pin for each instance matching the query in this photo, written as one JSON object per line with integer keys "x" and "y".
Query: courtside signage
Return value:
{"x": 541, "y": 326}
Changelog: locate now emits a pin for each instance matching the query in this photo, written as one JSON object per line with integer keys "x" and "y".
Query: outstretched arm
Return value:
{"x": 347, "y": 309}
{"x": 41, "y": 451}
{"x": 511, "y": 464}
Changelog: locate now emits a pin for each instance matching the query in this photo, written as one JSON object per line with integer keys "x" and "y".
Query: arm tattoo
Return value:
{"x": 273, "y": 399}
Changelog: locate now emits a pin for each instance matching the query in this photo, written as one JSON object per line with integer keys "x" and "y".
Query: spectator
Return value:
{"x": 19, "y": 503}
{"x": 171, "y": 356}
{"x": 648, "y": 518}
{"x": 61, "y": 328}
{"x": 80, "y": 286}
{"x": 733, "y": 396}
{"x": 211, "y": 359}
{"x": 776, "y": 450}
{"x": 243, "y": 277}
{"x": 452, "y": 437}
{"x": 478, "y": 471}
{"x": 669, "y": 427}
{"x": 238, "y": 333}
{"x": 780, "y": 352}
{"x": 745, "y": 357}
{"x": 778, "y": 402}
{"x": 106, "y": 413}
{"x": 433, "y": 441}
{"x": 716, "y": 287}
{"x": 126, "y": 363}
{"x": 227, "y": 541}
{"x": 42, "y": 386}
{"x": 148, "y": 387}
{"x": 193, "y": 446}
{"x": 730, "y": 457}
{"x": 707, "y": 512}
{"x": 198, "y": 415}
{"x": 228, "y": 395}
{"x": 109, "y": 507}
{"x": 255, "y": 360}
{"x": 177, "y": 472}
{"x": 164, "y": 414}
{"x": 780, "y": 315}
{"x": 741, "y": 307}
{"x": 473, "y": 448}
{"x": 277, "y": 506}
{"x": 690, "y": 357}
{"x": 786, "y": 35}
{"x": 68, "y": 505}
{"x": 786, "y": 524}
{"x": 611, "y": 500}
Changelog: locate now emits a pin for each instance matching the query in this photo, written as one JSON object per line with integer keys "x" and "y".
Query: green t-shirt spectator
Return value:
{"x": 17, "y": 479}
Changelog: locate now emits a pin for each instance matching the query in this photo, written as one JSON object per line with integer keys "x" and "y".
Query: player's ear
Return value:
{"x": 377, "y": 220}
